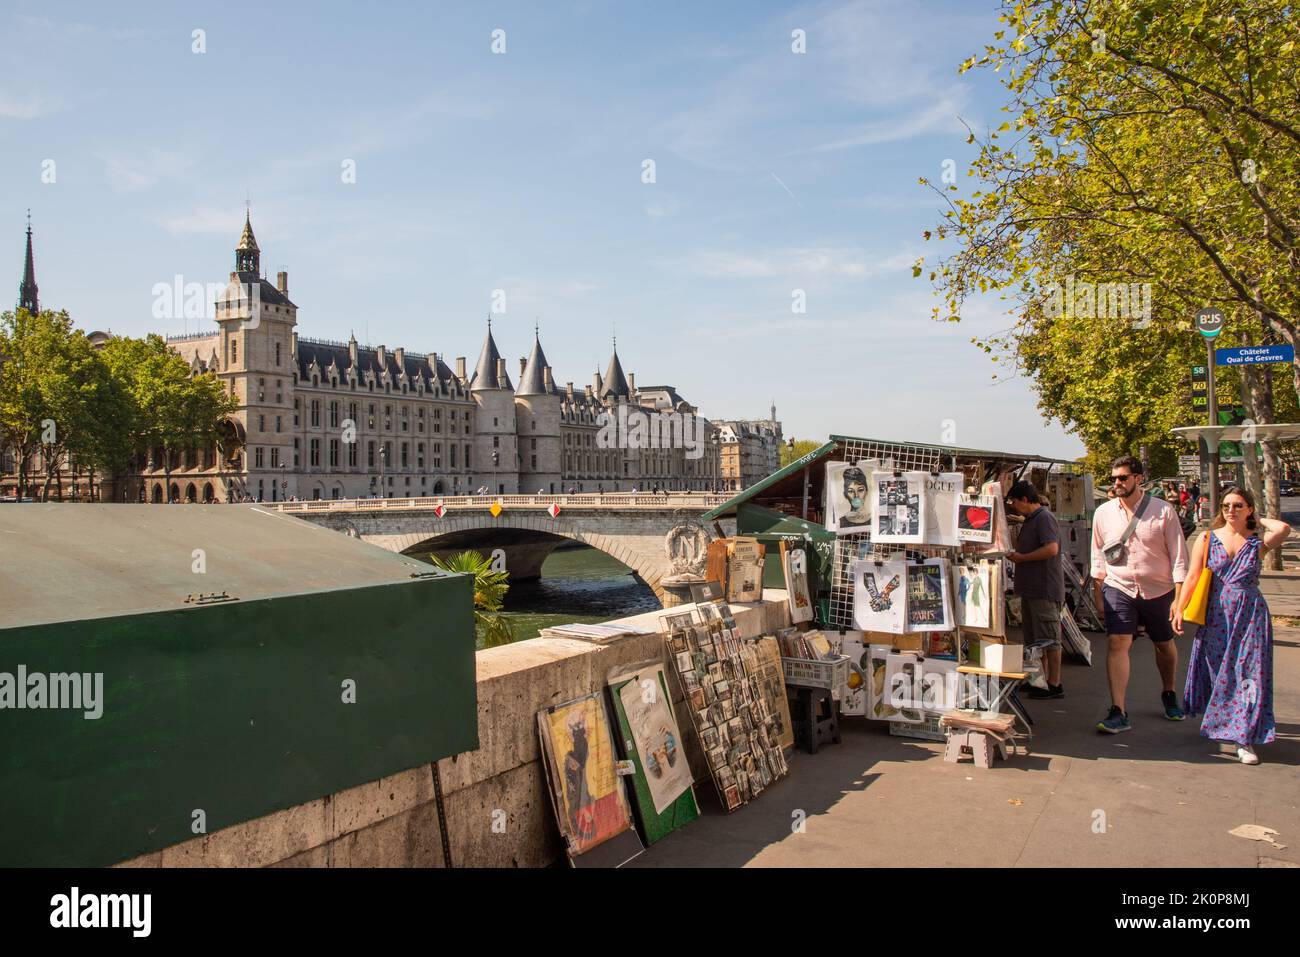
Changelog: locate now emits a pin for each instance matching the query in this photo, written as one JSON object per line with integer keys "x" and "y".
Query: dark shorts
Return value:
{"x": 1042, "y": 617}
{"x": 1124, "y": 614}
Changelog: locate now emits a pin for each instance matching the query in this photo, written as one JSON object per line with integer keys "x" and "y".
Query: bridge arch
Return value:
{"x": 643, "y": 554}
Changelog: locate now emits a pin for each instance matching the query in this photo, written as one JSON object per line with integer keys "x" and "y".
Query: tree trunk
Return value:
{"x": 1263, "y": 404}
{"x": 49, "y": 475}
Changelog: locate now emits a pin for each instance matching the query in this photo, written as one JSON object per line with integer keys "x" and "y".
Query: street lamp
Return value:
{"x": 383, "y": 459}
{"x": 284, "y": 481}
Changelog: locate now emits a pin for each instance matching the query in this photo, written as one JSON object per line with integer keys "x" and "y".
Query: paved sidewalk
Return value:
{"x": 1169, "y": 797}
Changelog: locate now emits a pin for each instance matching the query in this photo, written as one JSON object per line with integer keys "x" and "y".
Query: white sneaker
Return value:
{"x": 1247, "y": 754}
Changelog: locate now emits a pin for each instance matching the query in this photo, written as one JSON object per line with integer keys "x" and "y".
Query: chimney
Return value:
{"x": 631, "y": 382}
{"x": 380, "y": 355}
{"x": 352, "y": 350}
{"x": 400, "y": 354}
{"x": 522, "y": 363}
{"x": 501, "y": 372}
{"x": 547, "y": 379}
{"x": 432, "y": 357}
{"x": 569, "y": 389}
{"x": 589, "y": 392}
{"x": 282, "y": 282}
{"x": 460, "y": 368}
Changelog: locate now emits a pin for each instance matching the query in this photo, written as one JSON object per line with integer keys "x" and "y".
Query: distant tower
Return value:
{"x": 496, "y": 461}
{"x": 27, "y": 295}
{"x": 537, "y": 415}
{"x": 248, "y": 257}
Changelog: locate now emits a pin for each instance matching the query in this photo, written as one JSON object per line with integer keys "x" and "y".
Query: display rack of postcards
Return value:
{"x": 919, "y": 556}
{"x": 722, "y": 678}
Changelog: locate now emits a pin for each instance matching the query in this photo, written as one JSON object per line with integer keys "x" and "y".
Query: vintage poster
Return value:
{"x": 929, "y": 607}
{"x": 588, "y": 797}
{"x": 745, "y": 570}
{"x": 974, "y": 594}
{"x": 848, "y": 509}
{"x": 942, "y": 493}
{"x": 903, "y": 689}
{"x": 898, "y": 511}
{"x": 1001, "y": 541}
{"x": 879, "y": 595}
{"x": 878, "y": 706}
{"x": 658, "y": 742}
{"x": 939, "y": 684}
{"x": 794, "y": 562}
{"x": 771, "y": 681}
{"x": 975, "y": 518}
{"x": 995, "y": 605}
{"x": 855, "y": 699}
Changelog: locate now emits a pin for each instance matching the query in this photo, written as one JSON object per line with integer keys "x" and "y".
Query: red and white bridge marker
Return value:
{"x": 554, "y": 510}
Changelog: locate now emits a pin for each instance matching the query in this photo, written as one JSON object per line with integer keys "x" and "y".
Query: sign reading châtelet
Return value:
{"x": 1253, "y": 355}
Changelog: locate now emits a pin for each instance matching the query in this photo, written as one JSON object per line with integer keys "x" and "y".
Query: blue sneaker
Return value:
{"x": 1170, "y": 700}
{"x": 1115, "y": 722}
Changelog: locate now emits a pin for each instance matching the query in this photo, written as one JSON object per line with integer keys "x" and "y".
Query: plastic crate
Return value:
{"x": 928, "y": 730}
{"x": 814, "y": 673}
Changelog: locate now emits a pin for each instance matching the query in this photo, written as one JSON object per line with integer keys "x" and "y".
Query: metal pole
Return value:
{"x": 1212, "y": 402}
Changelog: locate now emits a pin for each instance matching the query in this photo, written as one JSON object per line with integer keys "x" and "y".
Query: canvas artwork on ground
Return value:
{"x": 590, "y": 804}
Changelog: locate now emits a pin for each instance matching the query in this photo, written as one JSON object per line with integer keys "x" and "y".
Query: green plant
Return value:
{"x": 490, "y": 587}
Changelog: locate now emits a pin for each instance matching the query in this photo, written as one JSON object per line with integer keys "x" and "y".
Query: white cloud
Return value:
{"x": 14, "y": 106}
{"x": 142, "y": 169}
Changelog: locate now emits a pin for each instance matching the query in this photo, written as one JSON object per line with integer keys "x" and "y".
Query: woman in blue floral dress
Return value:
{"x": 1230, "y": 676}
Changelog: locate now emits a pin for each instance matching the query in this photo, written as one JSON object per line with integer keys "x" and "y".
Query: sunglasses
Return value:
{"x": 1120, "y": 478}
{"x": 1232, "y": 507}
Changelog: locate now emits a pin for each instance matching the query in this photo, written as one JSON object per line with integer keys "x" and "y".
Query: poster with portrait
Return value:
{"x": 643, "y": 699}
{"x": 578, "y": 755}
{"x": 794, "y": 563}
{"x": 848, "y": 508}
{"x": 929, "y": 607}
{"x": 942, "y": 494}
{"x": 974, "y": 594}
{"x": 898, "y": 513}
{"x": 879, "y": 595}
{"x": 975, "y": 518}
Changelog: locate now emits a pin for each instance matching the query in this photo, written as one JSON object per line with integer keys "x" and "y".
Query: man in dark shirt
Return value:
{"x": 1040, "y": 581}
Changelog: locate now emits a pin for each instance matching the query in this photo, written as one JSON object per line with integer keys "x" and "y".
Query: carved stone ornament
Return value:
{"x": 687, "y": 545}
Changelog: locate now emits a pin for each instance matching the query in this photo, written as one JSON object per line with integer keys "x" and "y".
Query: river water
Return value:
{"x": 577, "y": 584}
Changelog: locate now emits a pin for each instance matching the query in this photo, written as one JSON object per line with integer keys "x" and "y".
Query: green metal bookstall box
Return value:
{"x": 167, "y": 671}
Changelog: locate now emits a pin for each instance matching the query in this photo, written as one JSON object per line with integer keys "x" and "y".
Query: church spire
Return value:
{"x": 27, "y": 293}
{"x": 247, "y": 255}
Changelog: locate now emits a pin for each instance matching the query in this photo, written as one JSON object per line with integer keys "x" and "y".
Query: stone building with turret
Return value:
{"x": 321, "y": 419}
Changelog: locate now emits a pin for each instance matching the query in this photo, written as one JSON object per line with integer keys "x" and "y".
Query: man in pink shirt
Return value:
{"x": 1137, "y": 585}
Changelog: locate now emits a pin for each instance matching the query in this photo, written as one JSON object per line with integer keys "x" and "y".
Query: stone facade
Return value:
{"x": 751, "y": 450}
{"x": 324, "y": 420}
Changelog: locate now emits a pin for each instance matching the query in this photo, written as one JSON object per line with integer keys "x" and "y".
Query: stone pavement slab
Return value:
{"x": 1158, "y": 796}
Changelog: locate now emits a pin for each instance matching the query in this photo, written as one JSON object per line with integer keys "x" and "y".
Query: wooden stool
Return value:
{"x": 982, "y": 736}
{"x": 815, "y": 717}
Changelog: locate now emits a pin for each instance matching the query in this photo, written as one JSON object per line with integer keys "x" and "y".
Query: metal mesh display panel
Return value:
{"x": 848, "y": 548}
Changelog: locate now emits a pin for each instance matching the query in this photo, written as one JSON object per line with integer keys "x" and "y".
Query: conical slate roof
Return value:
{"x": 614, "y": 383}
{"x": 533, "y": 381}
{"x": 485, "y": 373}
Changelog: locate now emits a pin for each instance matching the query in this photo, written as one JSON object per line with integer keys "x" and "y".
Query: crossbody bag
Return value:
{"x": 1115, "y": 551}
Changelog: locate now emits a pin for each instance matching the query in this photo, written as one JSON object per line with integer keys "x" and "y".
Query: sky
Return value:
{"x": 401, "y": 170}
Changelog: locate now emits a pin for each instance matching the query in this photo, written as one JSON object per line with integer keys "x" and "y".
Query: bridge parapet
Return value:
{"x": 614, "y": 502}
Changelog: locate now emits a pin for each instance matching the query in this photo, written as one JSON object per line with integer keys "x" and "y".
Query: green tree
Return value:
{"x": 1148, "y": 142}
{"x": 490, "y": 589}
{"x": 796, "y": 449}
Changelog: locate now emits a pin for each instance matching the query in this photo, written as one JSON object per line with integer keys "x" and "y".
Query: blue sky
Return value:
{"x": 522, "y": 171}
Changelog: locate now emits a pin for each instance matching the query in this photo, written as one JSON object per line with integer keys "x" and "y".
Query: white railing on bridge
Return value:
{"x": 611, "y": 500}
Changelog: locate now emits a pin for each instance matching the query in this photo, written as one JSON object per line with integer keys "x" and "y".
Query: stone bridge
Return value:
{"x": 631, "y": 528}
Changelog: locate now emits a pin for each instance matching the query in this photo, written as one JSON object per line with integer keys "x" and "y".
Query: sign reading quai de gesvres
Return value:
{"x": 1253, "y": 355}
